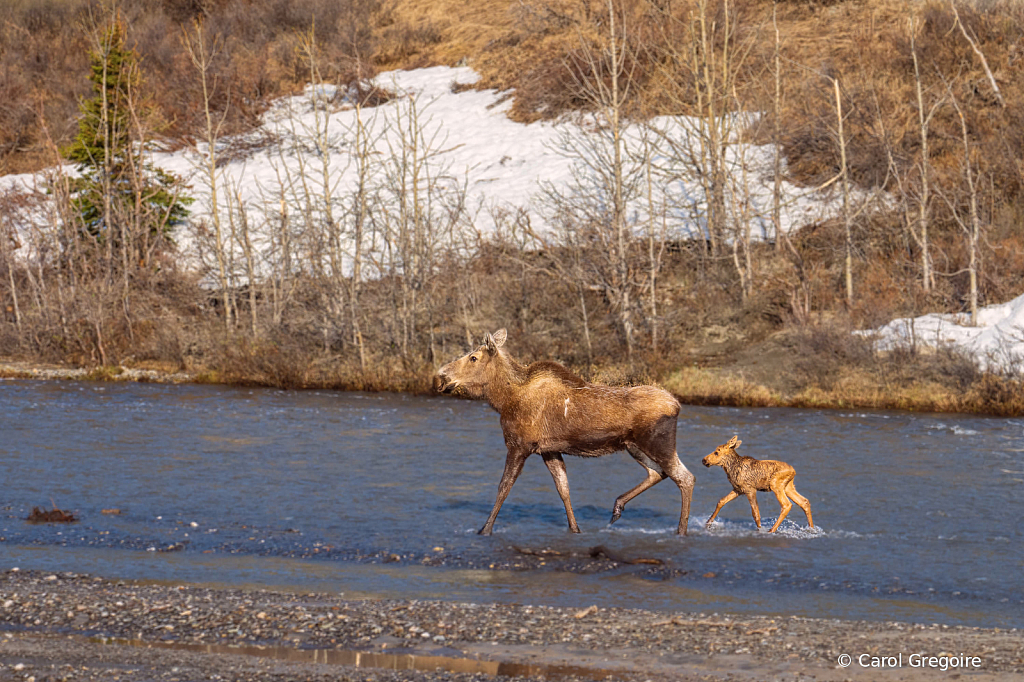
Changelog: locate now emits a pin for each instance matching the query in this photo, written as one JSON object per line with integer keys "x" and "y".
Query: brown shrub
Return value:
{"x": 826, "y": 350}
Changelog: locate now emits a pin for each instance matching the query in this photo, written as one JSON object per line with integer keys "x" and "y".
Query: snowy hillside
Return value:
{"x": 997, "y": 341}
{"x": 305, "y": 145}
{"x": 502, "y": 162}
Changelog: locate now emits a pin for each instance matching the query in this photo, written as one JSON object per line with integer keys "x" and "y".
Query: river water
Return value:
{"x": 919, "y": 516}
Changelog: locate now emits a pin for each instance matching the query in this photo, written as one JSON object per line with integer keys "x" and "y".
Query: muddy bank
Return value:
{"x": 742, "y": 382}
{"x": 55, "y": 624}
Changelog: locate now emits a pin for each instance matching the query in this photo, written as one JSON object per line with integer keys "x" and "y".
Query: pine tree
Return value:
{"x": 124, "y": 202}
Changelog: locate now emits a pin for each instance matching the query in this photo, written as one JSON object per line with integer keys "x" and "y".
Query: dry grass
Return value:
{"x": 525, "y": 45}
{"x": 431, "y": 32}
{"x": 695, "y": 386}
{"x": 856, "y": 389}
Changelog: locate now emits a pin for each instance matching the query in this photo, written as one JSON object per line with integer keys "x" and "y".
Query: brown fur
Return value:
{"x": 748, "y": 475}
{"x": 547, "y": 410}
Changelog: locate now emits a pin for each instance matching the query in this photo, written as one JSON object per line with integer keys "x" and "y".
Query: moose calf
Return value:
{"x": 748, "y": 475}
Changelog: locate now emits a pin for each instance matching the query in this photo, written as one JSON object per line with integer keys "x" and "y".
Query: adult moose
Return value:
{"x": 548, "y": 410}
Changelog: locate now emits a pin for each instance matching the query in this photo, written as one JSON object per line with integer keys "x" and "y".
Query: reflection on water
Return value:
{"x": 920, "y": 515}
{"x": 373, "y": 659}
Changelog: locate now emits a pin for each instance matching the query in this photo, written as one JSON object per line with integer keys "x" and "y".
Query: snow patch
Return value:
{"x": 997, "y": 341}
{"x": 503, "y": 165}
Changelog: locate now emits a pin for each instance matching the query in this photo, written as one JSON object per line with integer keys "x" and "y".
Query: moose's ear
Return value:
{"x": 738, "y": 443}
{"x": 734, "y": 442}
{"x": 495, "y": 342}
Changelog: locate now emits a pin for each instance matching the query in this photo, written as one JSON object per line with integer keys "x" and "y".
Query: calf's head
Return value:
{"x": 721, "y": 452}
{"x": 470, "y": 374}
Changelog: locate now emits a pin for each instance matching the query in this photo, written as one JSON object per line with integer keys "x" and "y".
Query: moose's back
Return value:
{"x": 555, "y": 412}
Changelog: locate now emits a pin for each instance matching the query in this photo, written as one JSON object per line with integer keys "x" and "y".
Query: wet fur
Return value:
{"x": 748, "y": 476}
{"x": 546, "y": 409}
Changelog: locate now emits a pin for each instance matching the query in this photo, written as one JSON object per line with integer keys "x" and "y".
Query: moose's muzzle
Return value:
{"x": 442, "y": 383}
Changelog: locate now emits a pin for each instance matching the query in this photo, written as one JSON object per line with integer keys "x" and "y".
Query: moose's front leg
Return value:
{"x": 556, "y": 465}
{"x": 513, "y": 467}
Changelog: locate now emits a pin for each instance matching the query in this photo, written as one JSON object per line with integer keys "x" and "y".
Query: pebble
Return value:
{"x": 201, "y": 615}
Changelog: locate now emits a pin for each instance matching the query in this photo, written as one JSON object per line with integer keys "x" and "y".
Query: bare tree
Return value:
{"x": 421, "y": 213}
{"x": 203, "y": 51}
{"x": 741, "y": 216}
{"x": 241, "y": 234}
{"x": 924, "y": 170}
{"x": 712, "y": 57}
{"x": 605, "y": 173}
{"x": 844, "y": 178}
{"x": 9, "y": 244}
{"x": 971, "y": 224}
{"x": 657, "y": 227}
{"x": 327, "y": 234}
{"x": 362, "y": 147}
{"x": 777, "y": 132}
{"x": 977, "y": 51}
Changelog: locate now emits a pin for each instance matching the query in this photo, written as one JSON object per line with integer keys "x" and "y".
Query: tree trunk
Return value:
{"x": 847, "y": 215}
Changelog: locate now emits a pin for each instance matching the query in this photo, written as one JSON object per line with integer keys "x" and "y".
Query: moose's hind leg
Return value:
{"x": 682, "y": 477}
{"x": 556, "y": 465}
{"x": 658, "y": 442}
{"x": 653, "y": 476}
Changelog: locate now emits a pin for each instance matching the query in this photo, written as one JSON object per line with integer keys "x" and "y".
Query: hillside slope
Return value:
{"x": 918, "y": 106}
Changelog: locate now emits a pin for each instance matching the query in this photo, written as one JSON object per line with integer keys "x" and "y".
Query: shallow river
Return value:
{"x": 920, "y": 516}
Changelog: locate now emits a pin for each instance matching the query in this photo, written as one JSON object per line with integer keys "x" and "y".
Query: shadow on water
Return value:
{"x": 383, "y": 494}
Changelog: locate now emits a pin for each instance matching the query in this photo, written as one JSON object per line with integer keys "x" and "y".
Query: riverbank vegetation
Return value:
{"x": 909, "y": 115}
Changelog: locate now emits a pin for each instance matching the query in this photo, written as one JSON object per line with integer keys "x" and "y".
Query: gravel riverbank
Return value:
{"x": 77, "y": 627}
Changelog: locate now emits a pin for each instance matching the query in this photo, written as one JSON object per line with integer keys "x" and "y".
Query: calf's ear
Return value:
{"x": 499, "y": 338}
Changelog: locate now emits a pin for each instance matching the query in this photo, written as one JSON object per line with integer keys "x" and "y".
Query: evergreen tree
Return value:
{"x": 124, "y": 202}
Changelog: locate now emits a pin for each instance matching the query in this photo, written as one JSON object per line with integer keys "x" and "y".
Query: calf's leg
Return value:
{"x": 752, "y": 498}
{"x": 721, "y": 503}
{"x": 556, "y": 465}
{"x": 801, "y": 502}
{"x": 784, "y": 503}
{"x": 513, "y": 467}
